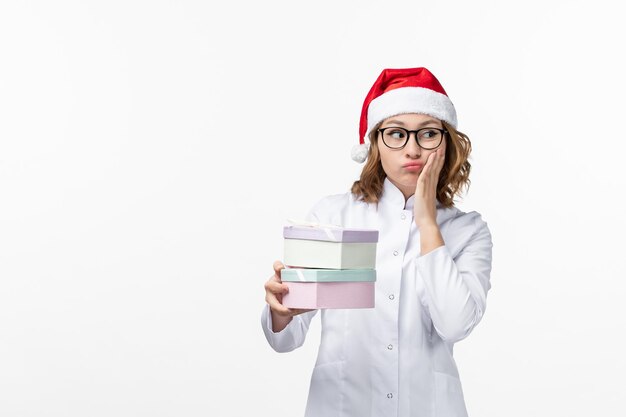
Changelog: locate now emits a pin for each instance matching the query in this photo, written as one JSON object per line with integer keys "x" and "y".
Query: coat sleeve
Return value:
{"x": 292, "y": 336}
{"x": 455, "y": 289}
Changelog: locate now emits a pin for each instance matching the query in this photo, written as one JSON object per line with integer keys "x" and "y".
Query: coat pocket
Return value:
{"x": 326, "y": 391}
{"x": 449, "y": 399}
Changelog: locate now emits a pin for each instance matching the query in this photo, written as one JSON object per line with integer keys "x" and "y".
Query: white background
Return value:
{"x": 151, "y": 151}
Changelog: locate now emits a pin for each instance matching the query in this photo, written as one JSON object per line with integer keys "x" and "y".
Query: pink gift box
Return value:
{"x": 316, "y": 295}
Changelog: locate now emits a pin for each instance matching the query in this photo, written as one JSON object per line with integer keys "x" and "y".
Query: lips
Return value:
{"x": 413, "y": 166}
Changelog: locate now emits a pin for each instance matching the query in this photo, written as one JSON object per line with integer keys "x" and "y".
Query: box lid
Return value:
{"x": 330, "y": 233}
{"x": 327, "y": 275}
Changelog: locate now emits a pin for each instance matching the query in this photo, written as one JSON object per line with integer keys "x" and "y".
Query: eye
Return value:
{"x": 429, "y": 134}
{"x": 396, "y": 134}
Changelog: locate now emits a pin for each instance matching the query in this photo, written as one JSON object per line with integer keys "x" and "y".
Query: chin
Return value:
{"x": 410, "y": 179}
{"x": 412, "y": 183}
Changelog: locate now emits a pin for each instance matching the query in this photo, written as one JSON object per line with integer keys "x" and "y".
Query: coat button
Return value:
{"x": 395, "y": 253}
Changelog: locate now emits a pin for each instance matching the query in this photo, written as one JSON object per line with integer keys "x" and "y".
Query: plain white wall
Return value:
{"x": 151, "y": 151}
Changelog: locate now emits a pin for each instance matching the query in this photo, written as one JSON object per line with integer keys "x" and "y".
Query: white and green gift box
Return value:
{"x": 329, "y": 267}
{"x": 330, "y": 247}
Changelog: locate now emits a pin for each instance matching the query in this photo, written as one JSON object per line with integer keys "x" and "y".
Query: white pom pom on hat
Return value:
{"x": 359, "y": 152}
{"x": 399, "y": 91}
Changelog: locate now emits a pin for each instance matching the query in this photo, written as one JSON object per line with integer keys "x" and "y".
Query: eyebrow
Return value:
{"x": 399, "y": 122}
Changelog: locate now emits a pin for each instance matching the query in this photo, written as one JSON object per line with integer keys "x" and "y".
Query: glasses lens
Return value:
{"x": 395, "y": 137}
{"x": 429, "y": 138}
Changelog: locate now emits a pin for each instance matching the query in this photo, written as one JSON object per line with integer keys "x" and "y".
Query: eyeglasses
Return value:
{"x": 398, "y": 137}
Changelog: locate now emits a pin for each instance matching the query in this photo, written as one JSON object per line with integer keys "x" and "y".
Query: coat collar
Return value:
{"x": 393, "y": 199}
{"x": 392, "y": 196}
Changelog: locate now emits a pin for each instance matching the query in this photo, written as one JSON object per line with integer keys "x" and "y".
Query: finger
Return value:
{"x": 278, "y": 266}
{"x": 430, "y": 162}
{"x": 436, "y": 167}
{"x": 276, "y": 306}
{"x": 274, "y": 292}
{"x": 436, "y": 158}
{"x": 442, "y": 158}
{"x": 437, "y": 162}
{"x": 426, "y": 171}
{"x": 276, "y": 287}
{"x": 433, "y": 163}
{"x": 297, "y": 311}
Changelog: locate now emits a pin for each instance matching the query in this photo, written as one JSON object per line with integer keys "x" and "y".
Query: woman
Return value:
{"x": 433, "y": 263}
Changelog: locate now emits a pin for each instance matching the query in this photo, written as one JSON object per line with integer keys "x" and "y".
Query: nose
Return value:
{"x": 412, "y": 149}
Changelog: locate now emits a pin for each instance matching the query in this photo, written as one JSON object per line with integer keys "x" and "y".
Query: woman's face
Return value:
{"x": 403, "y": 166}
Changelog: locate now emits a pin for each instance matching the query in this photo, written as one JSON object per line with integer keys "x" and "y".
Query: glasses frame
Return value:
{"x": 408, "y": 136}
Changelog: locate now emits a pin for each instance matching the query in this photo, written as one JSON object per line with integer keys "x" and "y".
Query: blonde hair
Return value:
{"x": 453, "y": 178}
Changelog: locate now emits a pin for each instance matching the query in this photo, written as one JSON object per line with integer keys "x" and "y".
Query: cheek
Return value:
{"x": 383, "y": 154}
{"x": 442, "y": 148}
{"x": 428, "y": 154}
{"x": 386, "y": 160}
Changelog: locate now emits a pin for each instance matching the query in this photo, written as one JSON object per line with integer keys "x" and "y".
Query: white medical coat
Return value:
{"x": 396, "y": 359}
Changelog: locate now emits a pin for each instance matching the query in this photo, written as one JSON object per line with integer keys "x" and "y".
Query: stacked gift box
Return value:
{"x": 329, "y": 267}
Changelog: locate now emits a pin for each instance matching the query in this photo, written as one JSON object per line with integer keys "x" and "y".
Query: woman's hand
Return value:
{"x": 274, "y": 291}
{"x": 425, "y": 205}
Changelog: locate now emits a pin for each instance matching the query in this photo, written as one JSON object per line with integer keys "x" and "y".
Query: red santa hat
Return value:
{"x": 400, "y": 91}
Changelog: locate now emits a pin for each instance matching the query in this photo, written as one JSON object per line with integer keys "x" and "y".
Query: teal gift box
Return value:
{"x": 327, "y": 275}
